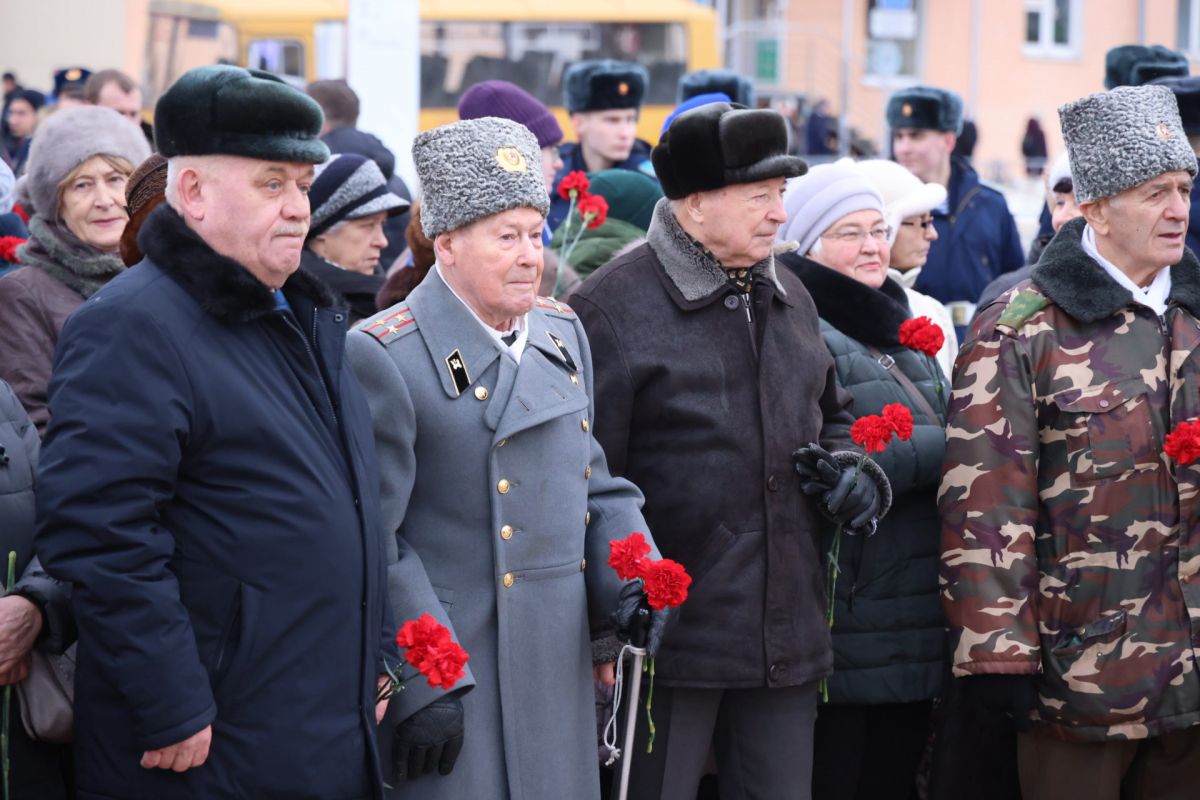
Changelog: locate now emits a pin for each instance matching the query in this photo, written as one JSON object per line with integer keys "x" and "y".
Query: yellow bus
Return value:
{"x": 528, "y": 42}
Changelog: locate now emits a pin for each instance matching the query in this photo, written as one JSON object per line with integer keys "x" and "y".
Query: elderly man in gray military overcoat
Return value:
{"x": 493, "y": 483}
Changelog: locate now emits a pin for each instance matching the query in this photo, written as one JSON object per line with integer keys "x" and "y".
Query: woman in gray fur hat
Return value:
{"x": 75, "y": 183}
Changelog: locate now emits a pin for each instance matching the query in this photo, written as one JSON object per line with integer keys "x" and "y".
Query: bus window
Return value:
{"x": 533, "y": 55}
{"x": 284, "y": 57}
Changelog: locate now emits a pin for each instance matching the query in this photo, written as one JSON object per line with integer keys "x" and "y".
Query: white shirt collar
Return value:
{"x": 1154, "y": 296}
{"x": 907, "y": 279}
{"x": 519, "y": 324}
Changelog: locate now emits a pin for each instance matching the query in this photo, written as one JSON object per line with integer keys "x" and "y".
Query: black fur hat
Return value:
{"x": 603, "y": 84}
{"x": 722, "y": 144}
{"x": 227, "y": 110}
{"x": 710, "y": 81}
{"x": 1187, "y": 96}
{"x": 1137, "y": 65}
{"x": 926, "y": 108}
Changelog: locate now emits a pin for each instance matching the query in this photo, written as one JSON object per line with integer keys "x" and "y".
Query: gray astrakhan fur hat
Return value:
{"x": 1122, "y": 138}
{"x": 476, "y": 168}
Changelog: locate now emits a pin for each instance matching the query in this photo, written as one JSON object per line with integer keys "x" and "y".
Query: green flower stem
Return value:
{"x": 833, "y": 570}
{"x": 649, "y": 702}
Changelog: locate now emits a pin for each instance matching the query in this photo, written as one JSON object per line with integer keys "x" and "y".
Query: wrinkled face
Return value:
{"x": 610, "y": 134}
{"x": 257, "y": 213}
{"x": 1143, "y": 227}
{"x": 495, "y": 264}
{"x": 551, "y": 163}
{"x": 856, "y": 246}
{"x": 1063, "y": 209}
{"x": 913, "y": 240}
{"x": 127, "y": 104}
{"x": 354, "y": 244}
{"x": 92, "y": 204}
{"x": 738, "y": 223}
{"x": 22, "y": 118}
{"x": 923, "y": 152}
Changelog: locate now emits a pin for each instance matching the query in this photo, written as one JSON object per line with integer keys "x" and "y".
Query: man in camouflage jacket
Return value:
{"x": 1070, "y": 540}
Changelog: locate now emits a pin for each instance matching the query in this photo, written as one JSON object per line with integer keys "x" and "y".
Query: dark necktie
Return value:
{"x": 510, "y": 338}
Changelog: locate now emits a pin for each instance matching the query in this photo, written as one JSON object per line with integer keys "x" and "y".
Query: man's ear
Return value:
{"x": 695, "y": 206}
{"x": 1097, "y": 214}
{"x": 190, "y": 192}
{"x": 443, "y": 248}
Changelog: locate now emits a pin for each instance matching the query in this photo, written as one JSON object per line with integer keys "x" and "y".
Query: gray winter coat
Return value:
{"x": 499, "y": 494}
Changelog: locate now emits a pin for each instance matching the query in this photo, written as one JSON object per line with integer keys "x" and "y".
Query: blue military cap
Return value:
{"x": 70, "y": 79}
{"x": 738, "y": 88}
{"x": 926, "y": 107}
{"x": 1136, "y": 65}
{"x": 603, "y": 84}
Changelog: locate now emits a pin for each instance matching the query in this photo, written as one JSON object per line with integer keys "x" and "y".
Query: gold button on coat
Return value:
{"x": 502, "y": 486}
{"x": 481, "y": 393}
{"x": 587, "y": 472}
{"x": 509, "y": 580}
{"x": 506, "y": 532}
{"x": 586, "y": 426}
{"x": 587, "y": 518}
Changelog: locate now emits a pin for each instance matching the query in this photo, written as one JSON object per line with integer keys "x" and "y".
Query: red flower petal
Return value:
{"x": 900, "y": 419}
{"x": 628, "y": 556}
{"x": 872, "y": 433}
{"x": 1183, "y": 444}
{"x": 574, "y": 184}
{"x": 922, "y": 335}
{"x": 667, "y": 584}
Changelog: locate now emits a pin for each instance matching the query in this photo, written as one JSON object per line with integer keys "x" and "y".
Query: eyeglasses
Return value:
{"x": 859, "y": 236}
{"x": 927, "y": 224}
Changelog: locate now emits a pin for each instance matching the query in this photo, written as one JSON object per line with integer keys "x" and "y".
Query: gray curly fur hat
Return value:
{"x": 67, "y": 139}
{"x": 476, "y": 168}
{"x": 1122, "y": 138}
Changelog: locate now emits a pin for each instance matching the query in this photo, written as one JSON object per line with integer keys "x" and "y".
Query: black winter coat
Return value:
{"x": 702, "y": 411}
{"x": 209, "y": 484}
{"x": 889, "y": 638}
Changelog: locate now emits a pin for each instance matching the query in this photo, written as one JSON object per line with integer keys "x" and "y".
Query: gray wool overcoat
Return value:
{"x": 503, "y": 508}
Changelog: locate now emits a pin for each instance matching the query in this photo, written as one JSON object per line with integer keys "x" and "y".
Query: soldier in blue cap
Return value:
{"x": 977, "y": 236}
{"x": 603, "y": 98}
{"x": 69, "y": 86}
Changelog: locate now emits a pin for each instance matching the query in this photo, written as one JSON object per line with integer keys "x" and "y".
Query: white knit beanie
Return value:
{"x": 904, "y": 194}
{"x": 817, "y": 200}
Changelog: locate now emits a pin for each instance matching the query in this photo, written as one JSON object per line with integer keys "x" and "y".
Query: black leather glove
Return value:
{"x": 627, "y": 619}
{"x": 432, "y": 737}
{"x": 849, "y": 500}
{"x": 1011, "y": 696}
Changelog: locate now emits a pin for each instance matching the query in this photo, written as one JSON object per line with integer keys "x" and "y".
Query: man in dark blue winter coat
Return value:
{"x": 977, "y": 236}
{"x": 209, "y": 484}
{"x": 603, "y": 98}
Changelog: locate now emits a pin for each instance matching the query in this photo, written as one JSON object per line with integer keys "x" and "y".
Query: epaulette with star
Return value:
{"x": 390, "y": 328}
{"x": 552, "y": 306}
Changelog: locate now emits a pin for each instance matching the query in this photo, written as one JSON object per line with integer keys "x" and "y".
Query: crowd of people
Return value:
{"x": 261, "y": 404}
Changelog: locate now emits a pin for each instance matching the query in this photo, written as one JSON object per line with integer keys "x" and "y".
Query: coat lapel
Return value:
{"x": 460, "y": 348}
{"x": 542, "y": 388}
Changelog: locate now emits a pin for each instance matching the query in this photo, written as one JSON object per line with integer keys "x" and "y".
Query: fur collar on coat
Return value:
{"x": 1079, "y": 286}
{"x": 870, "y": 316}
{"x": 695, "y": 273}
{"x": 222, "y": 286}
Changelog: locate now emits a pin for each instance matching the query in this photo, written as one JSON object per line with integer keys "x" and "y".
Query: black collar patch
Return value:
{"x": 562, "y": 351}
{"x": 458, "y": 371}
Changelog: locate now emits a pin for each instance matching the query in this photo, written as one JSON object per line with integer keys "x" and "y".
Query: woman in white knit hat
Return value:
{"x": 907, "y": 205}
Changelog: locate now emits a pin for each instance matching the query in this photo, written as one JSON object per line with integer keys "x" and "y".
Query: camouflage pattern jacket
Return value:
{"x": 1070, "y": 543}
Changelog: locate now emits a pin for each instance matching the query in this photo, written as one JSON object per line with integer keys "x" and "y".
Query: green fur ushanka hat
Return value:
{"x": 227, "y": 110}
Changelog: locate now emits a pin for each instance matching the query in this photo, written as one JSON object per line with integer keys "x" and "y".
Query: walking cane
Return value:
{"x": 637, "y": 642}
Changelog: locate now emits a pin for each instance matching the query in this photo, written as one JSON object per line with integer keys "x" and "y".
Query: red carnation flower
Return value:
{"x": 922, "y": 335}
{"x": 901, "y": 420}
{"x": 872, "y": 433}
{"x": 20, "y": 211}
{"x": 430, "y": 648}
{"x": 628, "y": 556}
{"x": 667, "y": 583}
{"x": 593, "y": 210}
{"x": 1183, "y": 443}
{"x": 8, "y": 248}
{"x": 574, "y": 185}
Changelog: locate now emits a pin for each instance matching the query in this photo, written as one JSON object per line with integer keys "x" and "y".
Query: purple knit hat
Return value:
{"x": 507, "y": 100}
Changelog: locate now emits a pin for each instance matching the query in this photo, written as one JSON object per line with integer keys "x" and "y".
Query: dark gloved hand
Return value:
{"x": 432, "y": 737}
{"x": 626, "y": 617}
{"x": 1002, "y": 695}
{"x": 849, "y": 501}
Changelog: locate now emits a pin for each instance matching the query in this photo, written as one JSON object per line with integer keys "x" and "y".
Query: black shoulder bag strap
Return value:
{"x": 910, "y": 388}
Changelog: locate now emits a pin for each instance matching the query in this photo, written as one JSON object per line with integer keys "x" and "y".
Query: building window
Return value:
{"x": 1187, "y": 32}
{"x": 893, "y": 40}
{"x": 1052, "y": 28}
